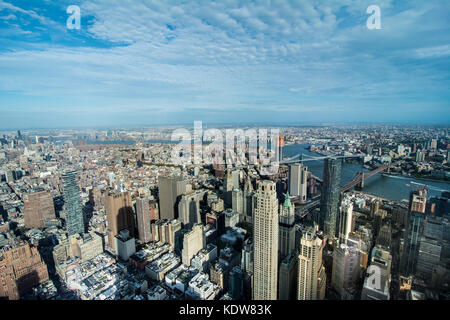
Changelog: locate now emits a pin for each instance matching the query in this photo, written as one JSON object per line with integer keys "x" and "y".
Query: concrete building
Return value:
{"x": 189, "y": 208}
{"x": 298, "y": 175}
{"x": 345, "y": 221}
{"x": 378, "y": 277}
{"x": 231, "y": 218}
{"x": 21, "y": 269}
{"x": 265, "y": 241}
{"x": 166, "y": 231}
{"x": 311, "y": 272}
{"x": 287, "y": 283}
{"x": 143, "y": 219}
{"x": 170, "y": 189}
{"x": 119, "y": 214}
{"x": 346, "y": 270}
{"x": 38, "y": 209}
{"x": 193, "y": 242}
{"x": 125, "y": 244}
{"x": 286, "y": 240}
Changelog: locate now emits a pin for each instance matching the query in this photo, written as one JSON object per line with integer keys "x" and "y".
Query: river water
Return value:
{"x": 389, "y": 187}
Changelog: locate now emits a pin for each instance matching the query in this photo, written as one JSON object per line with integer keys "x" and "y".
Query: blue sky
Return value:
{"x": 139, "y": 62}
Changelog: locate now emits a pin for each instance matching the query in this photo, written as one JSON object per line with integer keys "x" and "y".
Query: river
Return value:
{"x": 389, "y": 187}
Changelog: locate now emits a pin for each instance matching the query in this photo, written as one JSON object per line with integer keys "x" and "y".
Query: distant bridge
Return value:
{"x": 358, "y": 180}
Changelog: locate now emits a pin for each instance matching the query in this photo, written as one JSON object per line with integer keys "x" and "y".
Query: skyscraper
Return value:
{"x": 265, "y": 240}
{"x": 189, "y": 208}
{"x": 193, "y": 242}
{"x": 119, "y": 215}
{"x": 286, "y": 228}
{"x": 329, "y": 202}
{"x": 414, "y": 228}
{"x": 298, "y": 181}
{"x": 345, "y": 221}
{"x": 311, "y": 272}
{"x": 287, "y": 282}
{"x": 143, "y": 219}
{"x": 170, "y": 188}
{"x": 37, "y": 209}
{"x": 72, "y": 204}
{"x": 346, "y": 269}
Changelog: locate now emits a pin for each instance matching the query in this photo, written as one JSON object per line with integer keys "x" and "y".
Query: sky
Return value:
{"x": 145, "y": 63}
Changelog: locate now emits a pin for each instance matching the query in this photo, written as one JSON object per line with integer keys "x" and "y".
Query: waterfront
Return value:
{"x": 389, "y": 187}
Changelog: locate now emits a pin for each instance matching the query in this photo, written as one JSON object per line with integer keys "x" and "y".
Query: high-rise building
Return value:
{"x": 345, "y": 221}
{"x": 237, "y": 276}
{"x": 189, "y": 208}
{"x": 414, "y": 230}
{"x": 37, "y": 209}
{"x": 329, "y": 202}
{"x": 193, "y": 242}
{"x": 119, "y": 215}
{"x": 265, "y": 241}
{"x": 125, "y": 244}
{"x": 287, "y": 282}
{"x": 430, "y": 247}
{"x": 21, "y": 269}
{"x": 376, "y": 283}
{"x": 420, "y": 156}
{"x": 311, "y": 272}
{"x": 243, "y": 201}
{"x": 72, "y": 204}
{"x": 166, "y": 231}
{"x": 286, "y": 238}
{"x": 143, "y": 219}
{"x": 418, "y": 200}
{"x": 154, "y": 210}
{"x": 298, "y": 183}
{"x": 346, "y": 270}
{"x": 170, "y": 190}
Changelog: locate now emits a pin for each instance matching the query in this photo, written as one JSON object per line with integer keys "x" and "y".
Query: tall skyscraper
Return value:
{"x": 243, "y": 201}
{"x": 72, "y": 204}
{"x": 37, "y": 209}
{"x": 345, "y": 221}
{"x": 346, "y": 270}
{"x": 430, "y": 248}
{"x": 286, "y": 228}
{"x": 189, "y": 209}
{"x": 265, "y": 241}
{"x": 287, "y": 282}
{"x": 298, "y": 181}
{"x": 170, "y": 189}
{"x": 414, "y": 228}
{"x": 119, "y": 215}
{"x": 311, "y": 272}
{"x": 143, "y": 219}
{"x": 329, "y": 202}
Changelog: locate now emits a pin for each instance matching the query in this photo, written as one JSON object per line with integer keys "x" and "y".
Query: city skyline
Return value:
{"x": 151, "y": 63}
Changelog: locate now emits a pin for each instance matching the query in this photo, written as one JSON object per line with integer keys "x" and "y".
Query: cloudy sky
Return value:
{"x": 143, "y": 62}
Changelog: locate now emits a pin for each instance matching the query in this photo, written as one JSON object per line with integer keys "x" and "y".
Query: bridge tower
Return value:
{"x": 360, "y": 185}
